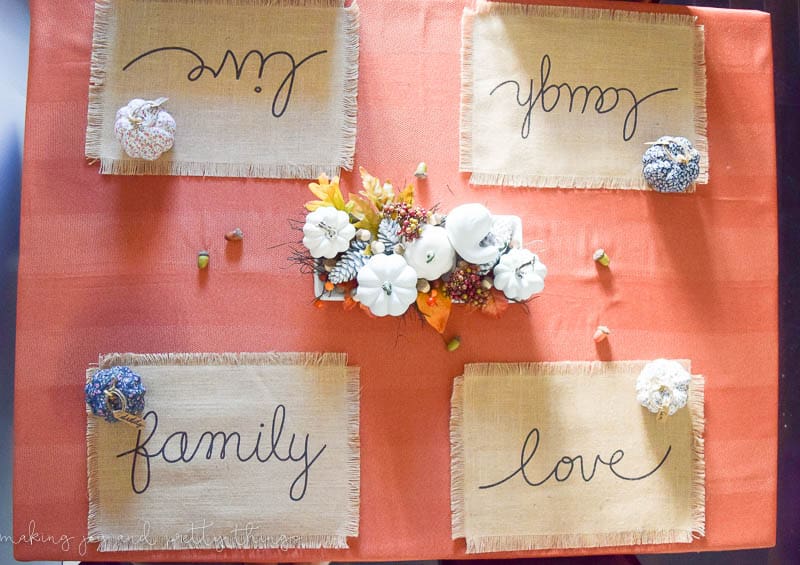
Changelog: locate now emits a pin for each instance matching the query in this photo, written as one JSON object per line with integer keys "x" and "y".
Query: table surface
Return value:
{"x": 108, "y": 264}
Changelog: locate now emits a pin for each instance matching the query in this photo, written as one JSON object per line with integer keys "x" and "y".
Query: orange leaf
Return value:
{"x": 436, "y": 309}
{"x": 349, "y": 303}
{"x": 496, "y": 304}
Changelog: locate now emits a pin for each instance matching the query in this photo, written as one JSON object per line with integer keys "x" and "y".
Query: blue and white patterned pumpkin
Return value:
{"x": 127, "y": 388}
{"x": 671, "y": 164}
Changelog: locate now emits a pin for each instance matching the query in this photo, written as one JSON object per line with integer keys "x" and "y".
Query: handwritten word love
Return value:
{"x": 565, "y": 465}
{"x": 283, "y": 93}
{"x": 607, "y": 99}
{"x": 176, "y": 449}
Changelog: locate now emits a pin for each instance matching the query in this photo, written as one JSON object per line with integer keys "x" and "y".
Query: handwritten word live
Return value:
{"x": 607, "y": 99}
{"x": 176, "y": 449}
{"x": 282, "y": 94}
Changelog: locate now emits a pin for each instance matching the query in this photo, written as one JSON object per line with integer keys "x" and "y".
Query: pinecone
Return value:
{"x": 350, "y": 262}
{"x": 389, "y": 233}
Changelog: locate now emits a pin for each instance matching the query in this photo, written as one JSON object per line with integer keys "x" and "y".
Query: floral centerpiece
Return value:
{"x": 382, "y": 251}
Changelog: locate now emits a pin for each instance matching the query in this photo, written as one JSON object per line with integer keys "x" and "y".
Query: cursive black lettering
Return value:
{"x": 607, "y": 99}
{"x": 179, "y": 448}
{"x": 283, "y": 93}
{"x": 564, "y": 466}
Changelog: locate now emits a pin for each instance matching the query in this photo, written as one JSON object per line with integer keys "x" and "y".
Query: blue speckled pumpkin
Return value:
{"x": 671, "y": 164}
{"x": 128, "y": 383}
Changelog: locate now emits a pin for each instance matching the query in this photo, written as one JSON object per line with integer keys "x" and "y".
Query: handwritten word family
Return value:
{"x": 550, "y": 96}
{"x": 178, "y": 448}
{"x": 283, "y": 93}
{"x": 566, "y": 465}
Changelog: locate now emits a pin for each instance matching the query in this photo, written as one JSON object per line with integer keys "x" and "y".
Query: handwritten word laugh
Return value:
{"x": 564, "y": 466}
{"x": 176, "y": 449}
{"x": 549, "y": 96}
{"x": 283, "y": 93}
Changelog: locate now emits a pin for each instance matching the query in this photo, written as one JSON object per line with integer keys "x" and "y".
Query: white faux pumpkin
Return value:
{"x": 663, "y": 387}
{"x": 144, "y": 129}
{"x": 431, "y": 254}
{"x": 387, "y": 285}
{"x": 467, "y": 226}
{"x": 519, "y": 274}
{"x": 327, "y": 232}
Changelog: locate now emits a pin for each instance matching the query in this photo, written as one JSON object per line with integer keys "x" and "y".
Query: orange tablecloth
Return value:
{"x": 107, "y": 263}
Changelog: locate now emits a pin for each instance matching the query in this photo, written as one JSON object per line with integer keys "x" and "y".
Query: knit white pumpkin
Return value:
{"x": 663, "y": 387}
{"x": 144, "y": 129}
{"x": 431, "y": 254}
{"x": 519, "y": 274}
{"x": 387, "y": 285}
{"x": 327, "y": 232}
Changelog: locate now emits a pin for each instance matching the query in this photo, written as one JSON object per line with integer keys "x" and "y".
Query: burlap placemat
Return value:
{"x": 258, "y": 88}
{"x": 560, "y": 455}
{"x": 239, "y": 451}
{"x": 568, "y": 97}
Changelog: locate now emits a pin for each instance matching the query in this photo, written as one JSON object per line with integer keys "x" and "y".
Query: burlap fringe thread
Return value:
{"x": 561, "y": 181}
{"x": 277, "y": 541}
{"x": 165, "y": 166}
{"x": 490, "y": 544}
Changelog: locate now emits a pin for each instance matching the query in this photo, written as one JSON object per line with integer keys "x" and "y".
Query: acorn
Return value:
{"x": 202, "y": 259}
{"x": 422, "y": 171}
{"x": 235, "y": 235}
{"x": 601, "y": 257}
{"x": 601, "y": 334}
{"x": 423, "y": 286}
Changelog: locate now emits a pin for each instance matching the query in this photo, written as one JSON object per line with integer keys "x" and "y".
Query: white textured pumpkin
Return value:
{"x": 431, "y": 254}
{"x": 387, "y": 285}
{"x": 663, "y": 387}
{"x": 467, "y": 227}
{"x": 327, "y": 232}
{"x": 144, "y": 129}
{"x": 519, "y": 274}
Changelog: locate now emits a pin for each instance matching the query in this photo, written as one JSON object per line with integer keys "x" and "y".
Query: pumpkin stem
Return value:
{"x": 665, "y": 402}
{"x": 114, "y": 397}
{"x": 681, "y": 158}
{"x": 518, "y": 270}
{"x": 145, "y": 111}
{"x": 330, "y": 232}
{"x": 387, "y": 288}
